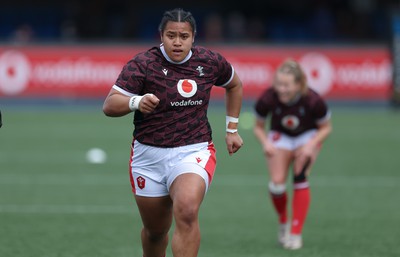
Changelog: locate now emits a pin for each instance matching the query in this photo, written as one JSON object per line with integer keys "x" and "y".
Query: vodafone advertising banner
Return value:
{"x": 338, "y": 73}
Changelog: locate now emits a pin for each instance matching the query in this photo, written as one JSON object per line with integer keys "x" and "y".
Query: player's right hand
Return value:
{"x": 148, "y": 103}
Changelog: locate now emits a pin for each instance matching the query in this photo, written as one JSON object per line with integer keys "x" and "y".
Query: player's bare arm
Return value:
{"x": 324, "y": 129}
{"x": 118, "y": 104}
{"x": 234, "y": 94}
{"x": 259, "y": 132}
{"x": 309, "y": 149}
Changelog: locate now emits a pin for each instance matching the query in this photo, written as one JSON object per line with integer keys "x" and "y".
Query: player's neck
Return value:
{"x": 294, "y": 100}
{"x": 170, "y": 60}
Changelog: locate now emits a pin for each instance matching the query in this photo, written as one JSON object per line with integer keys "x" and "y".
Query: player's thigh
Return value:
{"x": 278, "y": 165}
{"x": 301, "y": 162}
{"x": 156, "y": 213}
{"x": 188, "y": 190}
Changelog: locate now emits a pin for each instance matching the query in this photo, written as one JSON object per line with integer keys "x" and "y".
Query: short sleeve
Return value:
{"x": 320, "y": 110}
{"x": 132, "y": 76}
{"x": 263, "y": 105}
{"x": 225, "y": 71}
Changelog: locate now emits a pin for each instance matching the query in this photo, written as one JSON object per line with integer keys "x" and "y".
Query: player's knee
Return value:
{"x": 276, "y": 189}
{"x": 300, "y": 181}
{"x": 299, "y": 178}
{"x": 301, "y": 175}
{"x": 186, "y": 214}
{"x": 155, "y": 235}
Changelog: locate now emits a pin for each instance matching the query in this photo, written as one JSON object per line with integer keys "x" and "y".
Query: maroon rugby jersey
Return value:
{"x": 292, "y": 119}
{"x": 184, "y": 93}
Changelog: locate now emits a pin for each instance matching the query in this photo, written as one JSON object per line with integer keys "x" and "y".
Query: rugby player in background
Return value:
{"x": 299, "y": 123}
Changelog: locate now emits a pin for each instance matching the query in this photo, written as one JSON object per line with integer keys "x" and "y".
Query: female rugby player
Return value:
{"x": 299, "y": 123}
{"x": 173, "y": 157}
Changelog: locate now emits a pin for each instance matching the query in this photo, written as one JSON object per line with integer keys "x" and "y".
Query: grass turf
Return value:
{"x": 54, "y": 203}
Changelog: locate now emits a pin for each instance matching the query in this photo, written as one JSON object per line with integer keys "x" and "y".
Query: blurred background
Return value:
{"x": 283, "y": 21}
{"x": 62, "y": 49}
{"x": 59, "y": 59}
{"x": 308, "y": 21}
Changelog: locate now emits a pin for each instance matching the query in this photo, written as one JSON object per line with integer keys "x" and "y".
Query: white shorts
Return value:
{"x": 281, "y": 140}
{"x": 153, "y": 169}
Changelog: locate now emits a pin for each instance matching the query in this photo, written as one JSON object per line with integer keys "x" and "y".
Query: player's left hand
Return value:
{"x": 233, "y": 142}
{"x": 306, "y": 153}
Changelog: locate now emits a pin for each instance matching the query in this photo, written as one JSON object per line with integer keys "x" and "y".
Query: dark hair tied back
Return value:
{"x": 177, "y": 15}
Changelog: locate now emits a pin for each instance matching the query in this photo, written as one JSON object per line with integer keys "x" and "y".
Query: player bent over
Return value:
{"x": 299, "y": 123}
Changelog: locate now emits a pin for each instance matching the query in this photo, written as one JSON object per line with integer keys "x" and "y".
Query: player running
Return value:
{"x": 173, "y": 157}
{"x": 299, "y": 123}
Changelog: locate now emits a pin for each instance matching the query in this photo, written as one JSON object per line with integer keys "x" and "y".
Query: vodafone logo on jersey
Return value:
{"x": 290, "y": 122}
{"x": 15, "y": 72}
{"x": 187, "y": 87}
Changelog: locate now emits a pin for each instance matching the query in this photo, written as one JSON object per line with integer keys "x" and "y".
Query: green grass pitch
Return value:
{"x": 53, "y": 203}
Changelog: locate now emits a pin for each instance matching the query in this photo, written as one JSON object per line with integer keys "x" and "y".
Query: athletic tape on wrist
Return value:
{"x": 233, "y": 120}
{"x": 228, "y": 130}
{"x": 134, "y": 102}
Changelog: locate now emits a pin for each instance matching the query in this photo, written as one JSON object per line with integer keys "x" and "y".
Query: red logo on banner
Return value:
{"x": 141, "y": 182}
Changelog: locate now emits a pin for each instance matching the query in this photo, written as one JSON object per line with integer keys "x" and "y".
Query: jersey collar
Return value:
{"x": 171, "y": 61}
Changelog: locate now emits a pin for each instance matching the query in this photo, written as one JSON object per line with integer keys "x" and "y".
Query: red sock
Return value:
{"x": 279, "y": 202}
{"x": 301, "y": 203}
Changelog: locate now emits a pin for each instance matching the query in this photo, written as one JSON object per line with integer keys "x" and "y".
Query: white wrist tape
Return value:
{"x": 233, "y": 120}
{"x": 231, "y": 130}
{"x": 134, "y": 102}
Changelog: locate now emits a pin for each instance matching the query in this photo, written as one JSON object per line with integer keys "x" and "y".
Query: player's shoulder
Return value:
{"x": 150, "y": 55}
{"x": 313, "y": 97}
{"x": 312, "y": 92}
{"x": 202, "y": 52}
{"x": 269, "y": 93}
{"x": 266, "y": 101}
{"x": 268, "y": 96}
{"x": 143, "y": 59}
{"x": 201, "y": 49}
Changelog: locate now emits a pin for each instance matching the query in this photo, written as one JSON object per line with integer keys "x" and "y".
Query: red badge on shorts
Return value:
{"x": 276, "y": 136}
{"x": 141, "y": 182}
